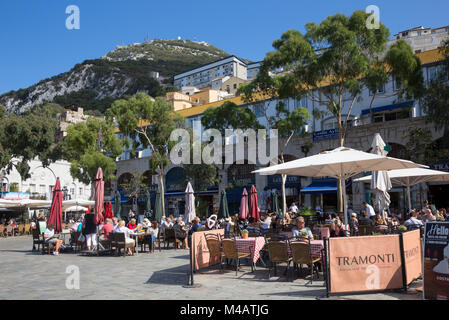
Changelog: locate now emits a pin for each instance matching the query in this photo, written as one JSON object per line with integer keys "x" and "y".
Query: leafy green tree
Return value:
{"x": 147, "y": 123}
{"x": 26, "y": 137}
{"x": 421, "y": 148}
{"x": 229, "y": 116}
{"x": 133, "y": 186}
{"x": 333, "y": 63}
{"x": 89, "y": 146}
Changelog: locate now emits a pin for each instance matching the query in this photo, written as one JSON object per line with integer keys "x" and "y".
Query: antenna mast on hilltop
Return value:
{"x": 147, "y": 38}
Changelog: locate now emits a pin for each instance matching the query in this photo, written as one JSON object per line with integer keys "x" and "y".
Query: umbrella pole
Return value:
{"x": 409, "y": 198}
{"x": 345, "y": 204}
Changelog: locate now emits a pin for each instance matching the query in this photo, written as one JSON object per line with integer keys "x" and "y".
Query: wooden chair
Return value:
{"x": 230, "y": 251}
{"x": 21, "y": 229}
{"x": 120, "y": 242}
{"x": 27, "y": 229}
{"x": 214, "y": 247}
{"x": 9, "y": 231}
{"x": 302, "y": 254}
{"x": 46, "y": 245}
{"x": 170, "y": 236}
{"x": 2, "y": 230}
{"x": 278, "y": 253}
{"x": 366, "y": 230}
{"x": 37, "y": 240}
{"x": 159, "y": 239}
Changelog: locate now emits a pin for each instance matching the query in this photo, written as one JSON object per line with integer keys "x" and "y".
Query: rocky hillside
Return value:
{"x": 127, "y": 70}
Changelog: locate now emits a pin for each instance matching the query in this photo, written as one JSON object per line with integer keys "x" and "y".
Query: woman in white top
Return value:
{"x": 49, "y": 238}
{"x": 121, "y": 228}
{"x": 151, "y": 235}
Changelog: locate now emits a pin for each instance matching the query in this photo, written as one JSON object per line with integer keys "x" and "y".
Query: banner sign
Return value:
{"x": 412, "y": 255}
{"x": 361, "y": 264}
{"x": 326, "y": 135}
{"x": 436, "y": 261}
{"x": 201, "y": 251}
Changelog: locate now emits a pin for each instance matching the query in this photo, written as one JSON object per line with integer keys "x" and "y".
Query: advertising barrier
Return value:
{"x": 372, "y": 263}
{"x": 436, "y": 261}
{"x": 412, "y": 255}
{"x": 200, "y": 250}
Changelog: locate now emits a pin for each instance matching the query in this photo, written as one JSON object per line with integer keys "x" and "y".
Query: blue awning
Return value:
{"x": 322, "y": 187}
{"x": 389, "y": 107}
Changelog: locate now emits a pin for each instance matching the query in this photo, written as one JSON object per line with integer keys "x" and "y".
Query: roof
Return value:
{"x": 206, "y": 65}
{"x": 430, "y": 56}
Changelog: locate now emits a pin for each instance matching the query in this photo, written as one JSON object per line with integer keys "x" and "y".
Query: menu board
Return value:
{"x": 436, "y": 261}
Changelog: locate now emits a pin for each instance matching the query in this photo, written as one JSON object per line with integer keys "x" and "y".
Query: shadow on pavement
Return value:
{"x": 173, "y": 276}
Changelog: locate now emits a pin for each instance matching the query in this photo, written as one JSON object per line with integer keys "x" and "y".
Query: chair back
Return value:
{"x": 36, "y": 234}
{"x": 325, "y": 233}
{"x": 278, "y": 251}
{"x": 170, "y": 234}
{"x": 27, "y": 228}
{"x": 365, "y": 230}
{"x": 21, "y": 228}
{"x": 9, "y": 228}
{"x": 230, "y": 248}
{"x": 74, "y": 235}
{"x": 301, "y": 252}
{"x": 2, "y": 229}
{"x": 119, "y": 238}
{"x": 213, "y": 244}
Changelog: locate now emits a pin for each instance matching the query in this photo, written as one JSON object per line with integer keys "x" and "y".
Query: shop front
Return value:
{"x": 323, "y": 193}
{"x": 274, "y": 184}
{"x": 240, "y": 176}
{"x": 174, "y": 193}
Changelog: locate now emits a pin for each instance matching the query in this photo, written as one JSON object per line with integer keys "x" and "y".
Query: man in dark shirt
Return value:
{"x": 364, "y": 220}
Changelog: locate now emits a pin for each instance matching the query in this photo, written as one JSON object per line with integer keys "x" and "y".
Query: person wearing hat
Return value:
{"x": 354, "y": 223}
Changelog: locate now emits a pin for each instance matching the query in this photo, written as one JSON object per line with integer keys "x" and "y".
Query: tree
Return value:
{"x": 421, "y": 148}
{"x": 229, "y": 116}
{"x": 147, "y": 123}
{"x": 89, "y": 146}
{"x": 25, "y": 137}
{"x": 133, "y": 186}
{"x": 333, "y": 63}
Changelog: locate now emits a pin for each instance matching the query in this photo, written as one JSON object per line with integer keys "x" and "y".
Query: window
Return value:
{"x": 81, "y": 191}
{"x": 302, "y": 103}
{"x": 42, "y": 188}
{"x": 235, "y": 85}
{"x": 72, "y": 191}
{"x": 379, "y": 90}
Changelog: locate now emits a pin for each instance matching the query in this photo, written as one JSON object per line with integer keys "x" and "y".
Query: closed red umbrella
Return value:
{"x": 253, "y": 206}
{"x": 108, "y": 214}
{"x": 56, "y": 207}
{"x": 99, "y": 194}
{"x": 244, "y": 205}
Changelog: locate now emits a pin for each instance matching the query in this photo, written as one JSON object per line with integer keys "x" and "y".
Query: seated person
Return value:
{"x": 378, "y": 221}
{"x": 354, "y": 223}
{"x": 337, "y": 230}
{"x": 49, "y": 238}
{"x": 413, "y": 223}
{"x": 108, "y": 227}
{"x": 300, "y": 226}
{"x": 364, "y": 220}
{"x": 121, "y": 228}
{"x": 132, "y": 224}
{"x": 181, "y": 233}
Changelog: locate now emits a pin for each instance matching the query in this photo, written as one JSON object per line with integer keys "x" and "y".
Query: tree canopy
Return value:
{"x": 89, "y": 146}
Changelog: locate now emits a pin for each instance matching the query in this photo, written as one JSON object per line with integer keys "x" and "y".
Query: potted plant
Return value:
{"x": 304, "y": 235}
{"x": 402, "y": 229}
{"x": 245, "y": 234}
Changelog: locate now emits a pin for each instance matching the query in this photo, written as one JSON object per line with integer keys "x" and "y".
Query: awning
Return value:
{"x": 388, "y": 108}
{"x": 322, "y": 187}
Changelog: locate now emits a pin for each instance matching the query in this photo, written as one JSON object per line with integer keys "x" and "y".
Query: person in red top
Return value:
{"x": 108, "y": 227}
{"x": 132, "y": 224}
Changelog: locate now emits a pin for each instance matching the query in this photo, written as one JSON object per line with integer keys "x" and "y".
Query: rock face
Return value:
{"x": 94, "y": 84}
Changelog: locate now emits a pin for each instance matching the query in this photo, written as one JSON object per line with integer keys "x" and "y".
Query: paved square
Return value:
{"x": 30, "y": 275}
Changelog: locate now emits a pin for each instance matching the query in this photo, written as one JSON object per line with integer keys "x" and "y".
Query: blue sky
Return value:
{"x": 36, "y": 44}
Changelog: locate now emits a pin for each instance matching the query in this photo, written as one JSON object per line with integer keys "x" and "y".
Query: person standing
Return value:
{"x": 90, "y": 231}
{"x": 370, "y": 210}
{"x": 294, "y": 208}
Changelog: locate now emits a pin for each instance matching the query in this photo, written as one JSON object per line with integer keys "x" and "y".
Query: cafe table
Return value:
{"x": 252, "y": 245}
{"x": 136, "y": 235}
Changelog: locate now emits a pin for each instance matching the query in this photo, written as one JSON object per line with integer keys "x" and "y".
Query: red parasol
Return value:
{"x": 244, "y": 205}
{"x": 108, "y": 214}
{"x": 56, "y": 207}
{"x": 253, "y": 206}
{"x": 99, "y": 190}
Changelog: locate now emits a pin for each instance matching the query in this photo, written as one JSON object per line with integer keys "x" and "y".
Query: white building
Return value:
{"x": 423, "y": 39}
{"x": 204, "y": 75}
{"x": 42, "y": 181}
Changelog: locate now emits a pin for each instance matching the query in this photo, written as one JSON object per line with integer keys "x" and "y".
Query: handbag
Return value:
{"x": 81, "y": 238}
